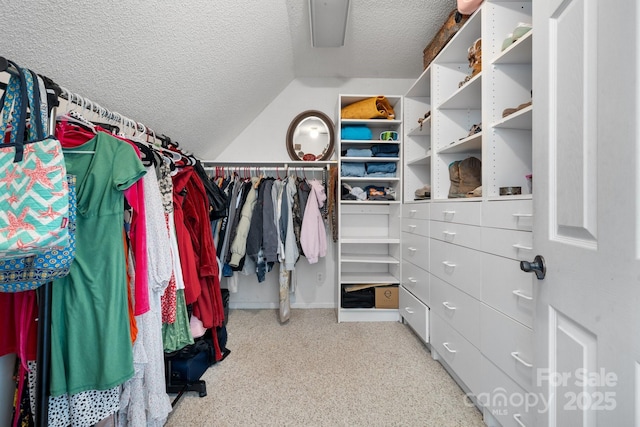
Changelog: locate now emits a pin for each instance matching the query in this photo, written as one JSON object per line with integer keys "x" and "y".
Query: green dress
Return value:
{"x": 90, "y": 341}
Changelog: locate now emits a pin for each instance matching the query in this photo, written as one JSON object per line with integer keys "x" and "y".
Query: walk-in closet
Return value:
{"x": 320, "y": 213}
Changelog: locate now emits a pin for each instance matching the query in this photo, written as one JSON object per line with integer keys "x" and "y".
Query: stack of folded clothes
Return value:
{"x": 381, "y": 168}
{"x": 361, "y": 169}
{"x": 385, "y": 150}
{"x": 358, "y": 152}
{"x": 354, "y": 169}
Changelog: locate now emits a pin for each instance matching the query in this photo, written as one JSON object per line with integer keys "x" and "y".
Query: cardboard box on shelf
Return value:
{"x": 386, "y": 296}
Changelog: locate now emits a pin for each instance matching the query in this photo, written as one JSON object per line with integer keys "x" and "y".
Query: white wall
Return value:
{"x": 264, "y": 140}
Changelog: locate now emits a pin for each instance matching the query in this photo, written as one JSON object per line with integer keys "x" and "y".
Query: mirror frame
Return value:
{"x": 294, "y": 124}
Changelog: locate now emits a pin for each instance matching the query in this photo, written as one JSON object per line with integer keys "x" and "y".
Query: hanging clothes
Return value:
{"x": 299, "y": 204}
{"x": 144, "y": 401}
{"x": 135, "y": 196}
{"x": 208, "y": 307}
{"x": 239, "y": 244}
{"x": 254, "y": 235}
{"x": 291, "y": 253}
{"x": 244, "y": 190}
{"x": 168, "y": 299}
{"x": 313, "y": 236}
{"x": 269, "y": 230}
{"x": 177, "y": 334}
{"x": 91, "y": 302}
{"x": 192, "y": 288}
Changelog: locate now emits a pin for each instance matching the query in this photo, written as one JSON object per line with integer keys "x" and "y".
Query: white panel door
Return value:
{"x": 587, "y": 211}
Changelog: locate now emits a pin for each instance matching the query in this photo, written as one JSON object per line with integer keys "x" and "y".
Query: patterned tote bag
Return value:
{"x": 23, "y": 274}
{"x": 34, "y": 197}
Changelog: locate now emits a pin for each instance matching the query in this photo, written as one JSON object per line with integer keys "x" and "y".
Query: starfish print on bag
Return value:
{"x": 29, "y": 149}
{"x": 24, "y": 246}
{"x": 17, "y": 223}
{"x": 9, "y": 177}
{"x": 34, "y": 198}
{"x": 55, "y": 151}
{"x": 41, "y": 174}
{"x": 49, "y": 213}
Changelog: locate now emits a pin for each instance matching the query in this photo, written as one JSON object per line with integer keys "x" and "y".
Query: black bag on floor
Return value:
{"x": 363, "y": 298}
{"x": 190, "y": 369}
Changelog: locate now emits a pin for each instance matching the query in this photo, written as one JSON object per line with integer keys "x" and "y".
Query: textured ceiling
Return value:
{"x": 200, "y": 71}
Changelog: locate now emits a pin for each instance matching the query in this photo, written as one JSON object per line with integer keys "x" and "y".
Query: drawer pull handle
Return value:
{"x": 412, "y": 280}
{"x": 516, "y": 356}
{"x": 524, "y": 248}
{"x": 408, "y": 310}
{"x": 521, "y": 215}
{"x": 448, "y": 306}
{"x": 412, "y": 226}
{"x": 448, "y": 264}
{"x": 448, "y": 233}
{"x": 521, "y": 294}
{"x": 448, "y": 212}
{"x": 413, "y": 211}
{"x": 446, "y": 345}
{"x": 517, "y": 418}
{"x": 412, "y": 249}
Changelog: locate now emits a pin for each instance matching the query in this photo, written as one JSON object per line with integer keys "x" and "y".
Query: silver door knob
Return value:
{"x": 537, "y": 266}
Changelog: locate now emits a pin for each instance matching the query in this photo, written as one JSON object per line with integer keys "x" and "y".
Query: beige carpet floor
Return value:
{"x": 313, "y": 371}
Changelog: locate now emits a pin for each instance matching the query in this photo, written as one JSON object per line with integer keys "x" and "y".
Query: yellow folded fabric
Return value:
{"x": 377, "y": 107}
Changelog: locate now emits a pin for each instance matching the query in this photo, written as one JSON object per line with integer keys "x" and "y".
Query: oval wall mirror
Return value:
{"x": 310, "y": 136}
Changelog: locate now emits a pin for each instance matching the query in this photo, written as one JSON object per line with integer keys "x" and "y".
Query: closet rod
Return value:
{"x": 262, "y": 169}
{"x": 114, "y": 116}
{"x": 94, "y": 107}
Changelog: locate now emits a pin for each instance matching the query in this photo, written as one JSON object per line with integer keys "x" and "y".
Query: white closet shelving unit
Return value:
{"x": 369, "y": 235}
{"x": 507, "y": 298}
{"x": 456, "y": 108}
{"x": 417, "y": 137}
{"x": 414, "y": 292}
{"x": 471, "y": 303}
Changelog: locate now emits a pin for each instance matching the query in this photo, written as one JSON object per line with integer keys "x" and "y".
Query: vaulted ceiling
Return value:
{"x": 201, "y": 70}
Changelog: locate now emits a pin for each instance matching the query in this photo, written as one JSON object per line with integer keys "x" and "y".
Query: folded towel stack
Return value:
{"x": 359, "y": 152}
{"x": 359, "y": 132}
{"x": 380, "y": 167}
{"x": 385, "y": 150}
{"x": 356, "y": 169}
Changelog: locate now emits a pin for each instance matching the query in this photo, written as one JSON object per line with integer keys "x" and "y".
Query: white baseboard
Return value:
{"x": 273, "y": 305}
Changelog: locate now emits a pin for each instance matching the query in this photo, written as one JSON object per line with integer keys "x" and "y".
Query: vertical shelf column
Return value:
{"x": 370, "y": 163}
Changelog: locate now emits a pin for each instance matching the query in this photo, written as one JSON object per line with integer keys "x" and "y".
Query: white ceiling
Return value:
{"x": 201, "y": 70}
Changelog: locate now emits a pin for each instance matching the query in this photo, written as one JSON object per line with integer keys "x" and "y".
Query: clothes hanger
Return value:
{"x": 168, "y": 156}
{"x": 174, "y": 156}
{"x": 75, "y": 118}
{"x": 78, "y": 124}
